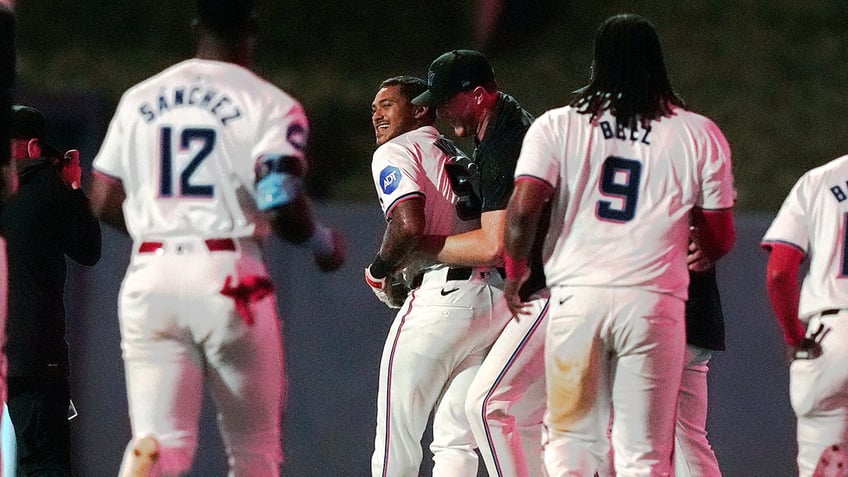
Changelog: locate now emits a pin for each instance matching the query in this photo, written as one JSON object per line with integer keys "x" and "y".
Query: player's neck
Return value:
{"x": 215, "y": 51}
{"x": 483, "y": 124}
{"x": 487, "y": 108}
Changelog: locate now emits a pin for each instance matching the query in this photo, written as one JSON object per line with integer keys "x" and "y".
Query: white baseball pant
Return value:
{"x": 693, "y": 455}
{"x": 818, "y": 391}
{"x": 618, "y": 349}
{"x": 434, "y": 348}
{"x": 178, "y": 332}
{"x": 506, "y": 401}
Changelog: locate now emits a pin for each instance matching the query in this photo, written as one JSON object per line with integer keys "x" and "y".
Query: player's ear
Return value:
{"x": 479, "y": 93}
{"x": 33, "y": 148}
{"x": 420, "y": 111}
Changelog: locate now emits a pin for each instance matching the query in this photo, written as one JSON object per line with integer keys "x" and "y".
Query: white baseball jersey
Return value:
{"x": 180, "y": 141}
{"x": 812, "y": 219}
{"x": 401, "y": 172}
{"x": 640, "y": 192}
{"x": 439, "y": 337}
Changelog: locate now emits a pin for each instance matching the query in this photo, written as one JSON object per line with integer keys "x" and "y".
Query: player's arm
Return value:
{"x": 403, "y": 232}
{"x": 714, "y": 232}
{"x": 107, "y": 199}
{"x": 82, "y": 237}
{"x": 483, "y": 246}
{"x": 522, "y": 220}
{"x": 783, "y": 287}
{"x": 280, "y": 193}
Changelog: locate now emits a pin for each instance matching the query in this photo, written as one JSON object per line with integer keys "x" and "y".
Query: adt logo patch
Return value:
{"x": 390, "y": 178}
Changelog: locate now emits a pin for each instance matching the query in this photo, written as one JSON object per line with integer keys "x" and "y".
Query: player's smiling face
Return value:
{"x": 392, "y": 114}
{"x": 459, "y": 112}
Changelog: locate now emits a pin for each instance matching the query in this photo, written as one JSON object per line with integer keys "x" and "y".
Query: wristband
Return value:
{"x": 515, "y": 269}
{"x": 379, "y": 268}
{"x": 321, "y": 242}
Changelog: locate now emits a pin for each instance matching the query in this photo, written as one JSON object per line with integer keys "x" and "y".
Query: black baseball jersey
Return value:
{"x": 704, "y": 316}
{"x": 495, "y": 157}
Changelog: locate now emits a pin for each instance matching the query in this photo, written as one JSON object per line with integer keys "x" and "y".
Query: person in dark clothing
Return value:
{"x": 8, "y": 186}
{"x": 693, "y": 454}
{"x": 46, "y": 220}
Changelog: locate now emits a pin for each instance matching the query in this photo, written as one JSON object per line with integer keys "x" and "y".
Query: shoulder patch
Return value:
{"x": 390, "y": 178}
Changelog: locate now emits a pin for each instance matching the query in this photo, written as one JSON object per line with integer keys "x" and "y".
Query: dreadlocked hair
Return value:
{"x": 629, "y": 77}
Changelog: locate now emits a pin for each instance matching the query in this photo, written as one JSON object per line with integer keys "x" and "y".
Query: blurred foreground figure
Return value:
{"x": 199, "y": 164}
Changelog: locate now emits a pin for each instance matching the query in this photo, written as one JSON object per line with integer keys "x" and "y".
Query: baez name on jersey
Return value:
{"x": 219, "y": 105}
{"x": 620, "y": 131}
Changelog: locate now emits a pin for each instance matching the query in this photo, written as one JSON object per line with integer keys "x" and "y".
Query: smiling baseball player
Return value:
{"x": 200, "y": 163}
{"x": 449, "y": 320}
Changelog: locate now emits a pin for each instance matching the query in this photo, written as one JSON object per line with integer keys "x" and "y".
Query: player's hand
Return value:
{"x": 517, "y": 272}
{"x": 513, "y": 300}
{"x": 72, "y": 171}
{"x": 808, "y": 349}
{"x": 695, "y": 259}
{"x": 391, "y": 293}
{"x": 329, "y": 262}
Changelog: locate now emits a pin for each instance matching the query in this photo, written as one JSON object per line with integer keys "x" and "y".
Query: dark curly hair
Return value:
{"x": 227, "y": 19}
{"x": 629, "y": 76}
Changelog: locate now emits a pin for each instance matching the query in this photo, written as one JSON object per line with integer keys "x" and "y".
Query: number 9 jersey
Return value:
{"x": 185, "y": 144}
{"x": 614, "y": 183}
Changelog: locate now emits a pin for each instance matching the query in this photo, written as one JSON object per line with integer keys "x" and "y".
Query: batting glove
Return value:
{"x": 381, "y": 288}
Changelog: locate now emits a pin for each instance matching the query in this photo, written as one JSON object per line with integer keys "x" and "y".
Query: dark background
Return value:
{"x": 770, "y": 74}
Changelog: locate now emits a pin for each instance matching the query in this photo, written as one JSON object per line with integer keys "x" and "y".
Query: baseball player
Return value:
{"x": 447, "y": 323}
{"x": 506, "y": 400}
{"x": 200, "y": 162}
{"x": 811, "y": 225}
{"x": 626, "y": 167}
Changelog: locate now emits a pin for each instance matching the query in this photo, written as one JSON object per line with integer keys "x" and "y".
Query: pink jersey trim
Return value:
{"x": 527, "y": 177}
{"x": 107, "y": 177}
{"x": 411, "y": 195}
{"x": 768, "y": 244}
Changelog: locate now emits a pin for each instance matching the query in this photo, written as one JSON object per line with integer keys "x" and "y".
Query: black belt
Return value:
{"x": 454, "y": 273}
{"x": 831, "y": 311}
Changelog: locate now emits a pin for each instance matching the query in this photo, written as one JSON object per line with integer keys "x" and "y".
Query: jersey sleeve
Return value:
{"x": 790, "y": 225}
{"x": 284, "y": 132}
{"x": 396, "y": 175}
{"x": 717, "y": 188}
{"x": 538, "y": 158}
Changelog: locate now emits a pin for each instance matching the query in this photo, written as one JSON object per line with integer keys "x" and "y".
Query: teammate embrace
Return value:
{"x": 624, "y": 159}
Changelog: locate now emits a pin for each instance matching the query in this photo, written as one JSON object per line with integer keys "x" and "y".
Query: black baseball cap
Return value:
{"x": 29, "y": 123}
{"x": 453, "y": 72}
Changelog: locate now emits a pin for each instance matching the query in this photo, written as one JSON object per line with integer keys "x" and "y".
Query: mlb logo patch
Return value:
{"x": 390, "y": 178}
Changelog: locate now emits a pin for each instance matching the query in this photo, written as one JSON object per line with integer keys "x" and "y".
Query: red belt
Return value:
{"x": 214, "y": 245}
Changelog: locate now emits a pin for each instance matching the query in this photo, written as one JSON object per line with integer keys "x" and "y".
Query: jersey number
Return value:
{"x": 620, "y": 178}
{"x": 206, "y": 138}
